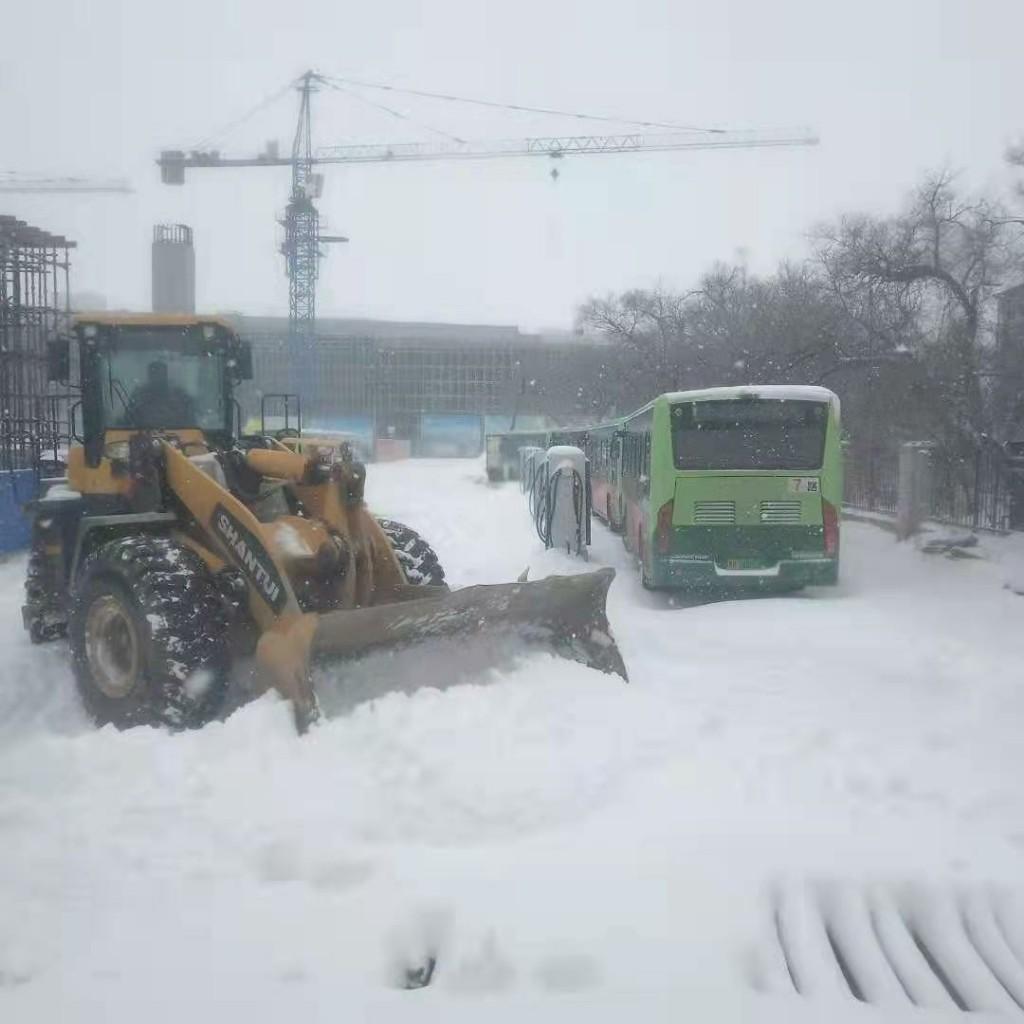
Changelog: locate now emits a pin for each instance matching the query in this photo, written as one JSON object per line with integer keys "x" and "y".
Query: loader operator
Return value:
{"x": 158, "y": 403}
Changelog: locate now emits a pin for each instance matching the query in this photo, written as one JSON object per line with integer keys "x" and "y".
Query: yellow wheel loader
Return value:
{"x": 176, "y": 552}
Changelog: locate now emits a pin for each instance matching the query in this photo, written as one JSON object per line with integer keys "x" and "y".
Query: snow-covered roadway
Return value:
{"x": 568, "y": 847}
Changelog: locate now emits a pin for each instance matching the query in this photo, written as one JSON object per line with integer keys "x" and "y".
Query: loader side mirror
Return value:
{"x": 58, "y": 360}
{"x": 243, "y": 361}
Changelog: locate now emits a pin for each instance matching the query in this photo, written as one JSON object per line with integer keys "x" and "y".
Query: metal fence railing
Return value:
{"x": 982, "y": 490}
{"x": 872, "y": 482}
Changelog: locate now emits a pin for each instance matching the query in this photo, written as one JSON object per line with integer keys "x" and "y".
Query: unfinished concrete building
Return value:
{"x": 174, "y": 269}
{"x": 34, "y": 279}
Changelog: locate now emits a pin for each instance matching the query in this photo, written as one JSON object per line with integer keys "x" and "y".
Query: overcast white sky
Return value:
{"x": 894, "y": 87}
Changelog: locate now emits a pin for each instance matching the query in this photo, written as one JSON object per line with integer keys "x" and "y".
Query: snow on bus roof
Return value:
{"x": 779, "y": 392}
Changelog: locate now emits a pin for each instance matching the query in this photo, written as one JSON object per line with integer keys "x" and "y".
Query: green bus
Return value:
{"x": 725, "y": 487}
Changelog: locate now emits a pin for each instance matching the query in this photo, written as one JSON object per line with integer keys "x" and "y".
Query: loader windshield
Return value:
{"x": 162, "y": 379}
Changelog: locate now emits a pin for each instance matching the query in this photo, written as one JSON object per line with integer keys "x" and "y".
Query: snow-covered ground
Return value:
{"x": 566, "y": 846}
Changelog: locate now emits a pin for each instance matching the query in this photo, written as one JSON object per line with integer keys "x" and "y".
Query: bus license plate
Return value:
{"x": 742, "y": 563}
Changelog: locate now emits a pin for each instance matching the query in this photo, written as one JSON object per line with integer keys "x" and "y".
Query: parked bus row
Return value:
{"x": 723, "y": 487}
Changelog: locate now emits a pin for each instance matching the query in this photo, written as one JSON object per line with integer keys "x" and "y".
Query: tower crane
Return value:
{"x": 302, "y": 237}
{"x": 21, "y": 183}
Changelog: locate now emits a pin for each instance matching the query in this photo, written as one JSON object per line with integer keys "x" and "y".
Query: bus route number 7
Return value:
{"x": 804, "y": 485}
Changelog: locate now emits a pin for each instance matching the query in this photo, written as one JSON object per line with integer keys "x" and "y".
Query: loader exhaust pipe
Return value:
{"x": 565, "y": 613}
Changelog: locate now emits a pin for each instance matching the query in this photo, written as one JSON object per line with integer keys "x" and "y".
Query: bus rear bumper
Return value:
{"x": 671, "y": 572}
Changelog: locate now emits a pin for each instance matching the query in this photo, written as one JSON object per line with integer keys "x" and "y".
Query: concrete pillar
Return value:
{"x": 174, "y": 269}
{"x": 915, "y": 488}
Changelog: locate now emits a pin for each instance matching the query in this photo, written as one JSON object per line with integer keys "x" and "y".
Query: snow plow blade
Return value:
{"x": 564, "y": 613}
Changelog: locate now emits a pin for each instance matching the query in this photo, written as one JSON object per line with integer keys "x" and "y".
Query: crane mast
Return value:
{"x": 301, "y": 247}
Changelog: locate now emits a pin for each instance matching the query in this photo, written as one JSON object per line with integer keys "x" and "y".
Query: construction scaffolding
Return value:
{"x": 34, "y": 308}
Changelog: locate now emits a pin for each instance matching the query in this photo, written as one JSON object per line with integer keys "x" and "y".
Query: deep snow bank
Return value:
{"x": 567, "y": 846}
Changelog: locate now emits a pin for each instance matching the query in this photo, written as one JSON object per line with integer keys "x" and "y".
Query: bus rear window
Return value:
{"x": 749, "y": 433}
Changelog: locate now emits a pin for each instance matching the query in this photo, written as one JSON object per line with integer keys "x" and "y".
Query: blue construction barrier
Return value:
{"x": 447, "y": 435}
{"x": 17, "y": 487}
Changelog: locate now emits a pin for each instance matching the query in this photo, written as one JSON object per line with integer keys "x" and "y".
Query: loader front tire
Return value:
{"x": 417, "y": 558}
{"x": 148, "y": 633}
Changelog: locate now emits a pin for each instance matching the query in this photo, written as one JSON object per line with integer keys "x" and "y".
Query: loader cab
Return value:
{"x": 157, "y": 373}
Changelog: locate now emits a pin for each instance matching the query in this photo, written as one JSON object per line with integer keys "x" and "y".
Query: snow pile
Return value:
{"x": 1008, "y": 553}
{"x": 1005, "y": 552}
{"x": 558, "y": 844}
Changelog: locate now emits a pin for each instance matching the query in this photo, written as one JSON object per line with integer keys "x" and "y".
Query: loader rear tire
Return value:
{"x": 417, "y": 558}
{"x": 148, "y": 635}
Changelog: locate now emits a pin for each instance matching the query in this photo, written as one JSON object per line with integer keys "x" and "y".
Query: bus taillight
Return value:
{"x": 663, "y": 535}
{"x": 830, "y": 522}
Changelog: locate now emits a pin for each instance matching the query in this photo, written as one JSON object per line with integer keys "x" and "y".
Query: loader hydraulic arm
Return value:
{"x": 232, "y": 529}
{"x": 228, "y": 527}
{"x": 281, "y": 464}
{"x": 307, "y": 471}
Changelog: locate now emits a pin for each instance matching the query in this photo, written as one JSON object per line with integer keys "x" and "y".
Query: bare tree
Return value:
{"x": 734, "y": 328}
{"x": 1015, "y": 158}
{"x": 924, "y": 280}
{"x": 891, "y": 312}
{"x": 649, "y": 329}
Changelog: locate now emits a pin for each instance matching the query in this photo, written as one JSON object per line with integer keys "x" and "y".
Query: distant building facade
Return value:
{"x": 405, "y": 380}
